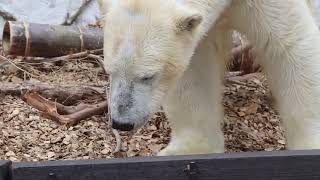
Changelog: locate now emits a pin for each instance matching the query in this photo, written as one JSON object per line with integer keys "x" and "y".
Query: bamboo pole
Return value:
{"x": 43, "y": 40}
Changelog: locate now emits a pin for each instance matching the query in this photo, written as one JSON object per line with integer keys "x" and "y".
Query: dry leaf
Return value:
{"x": 241, "y": 114}
{"x": 105, "y": 151}
{"x": 51, "y": 154}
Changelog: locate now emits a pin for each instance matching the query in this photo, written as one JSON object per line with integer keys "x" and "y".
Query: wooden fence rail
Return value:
{"x": 281, "y": 165}
{"x": 5, "y": 170}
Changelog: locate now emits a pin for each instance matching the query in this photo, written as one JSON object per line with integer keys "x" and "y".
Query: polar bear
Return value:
{"x": 173, "y": 53}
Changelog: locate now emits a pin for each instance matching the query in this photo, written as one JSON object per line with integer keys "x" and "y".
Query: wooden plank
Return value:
{"x": 281, "y": 165}
{"x": 5, "y": 170}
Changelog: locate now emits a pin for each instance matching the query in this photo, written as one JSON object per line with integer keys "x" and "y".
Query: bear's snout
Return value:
{"x": 122, "y": 126}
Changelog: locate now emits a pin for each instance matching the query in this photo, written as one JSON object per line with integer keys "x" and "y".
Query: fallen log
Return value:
{"x": 43, "y": 40}
{"x": 66, "y": 94}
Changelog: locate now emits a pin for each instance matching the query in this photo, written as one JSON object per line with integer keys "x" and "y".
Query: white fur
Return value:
{"x": 194, "y": 108}
{"x": 288, "y": 46}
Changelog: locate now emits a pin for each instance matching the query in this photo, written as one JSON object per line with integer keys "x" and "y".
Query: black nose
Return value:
{"x": 122, "y": 126}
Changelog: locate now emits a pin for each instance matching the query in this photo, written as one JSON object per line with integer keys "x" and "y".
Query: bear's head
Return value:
{"x": 147, "y": 47}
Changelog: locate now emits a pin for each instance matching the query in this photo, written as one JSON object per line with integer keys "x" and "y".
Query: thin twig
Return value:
{"x": 2, "y": 58}
{"x": 74, "y": 56}
{"x": 118, "y": 147}
{"x": 99, "y": 61}
{"x": 98, "y": 58}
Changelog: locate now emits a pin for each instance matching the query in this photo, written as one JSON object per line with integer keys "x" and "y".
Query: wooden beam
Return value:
{"x": 45, "y": 40}
{"x": 5, "y": 170}
{"x": 280, "y": 165}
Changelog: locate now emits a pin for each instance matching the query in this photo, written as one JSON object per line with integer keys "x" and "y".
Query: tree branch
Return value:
{"x": 54, "y": 110}
{"x": 7, "y": 15}
{"x": 66, "y": 94}
{"x": 71, "y": 19}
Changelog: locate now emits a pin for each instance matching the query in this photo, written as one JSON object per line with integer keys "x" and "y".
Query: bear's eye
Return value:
{"x": 148, "y": 78}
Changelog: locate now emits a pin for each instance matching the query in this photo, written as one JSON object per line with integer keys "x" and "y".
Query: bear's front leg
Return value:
{"x": 292, "y": 61}
{"x": 195, "y": 117}
{"x": 194, "y": 108}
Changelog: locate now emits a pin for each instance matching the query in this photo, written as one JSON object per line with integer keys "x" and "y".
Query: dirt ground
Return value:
{"x": 250, "y": 122}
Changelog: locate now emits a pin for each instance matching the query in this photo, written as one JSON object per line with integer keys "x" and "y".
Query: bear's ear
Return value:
{"x": 189, "y": 22}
